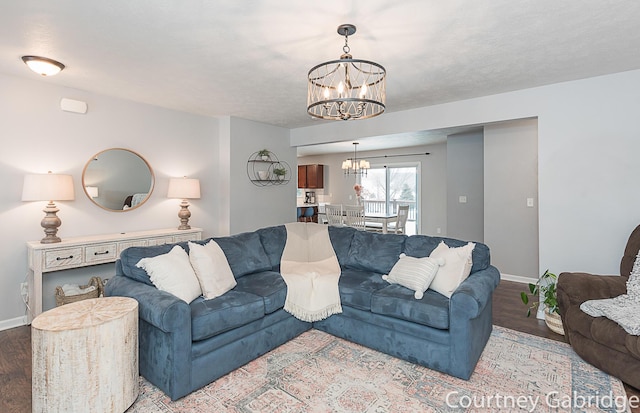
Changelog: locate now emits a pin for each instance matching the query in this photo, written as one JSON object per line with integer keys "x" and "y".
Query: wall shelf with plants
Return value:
{"x": 264, "y": 168}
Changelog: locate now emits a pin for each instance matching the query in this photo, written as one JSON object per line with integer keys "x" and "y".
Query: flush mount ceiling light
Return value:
{"x": 347, "y": 88}
{"x": 43, "y": 65}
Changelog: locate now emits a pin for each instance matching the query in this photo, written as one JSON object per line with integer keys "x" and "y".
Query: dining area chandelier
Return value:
{"x": 347, "y": 88}
{"x": 355, "y": 166}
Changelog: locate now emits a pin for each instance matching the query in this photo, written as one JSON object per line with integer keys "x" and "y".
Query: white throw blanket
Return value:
{"x": 311, "y": 271}
{"x": 623, "y": 309}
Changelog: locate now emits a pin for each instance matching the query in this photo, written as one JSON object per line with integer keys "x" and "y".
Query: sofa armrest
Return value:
{"x": 470, "y": 320}
{"x": 574, "y": 288}
{"x": 164, "y": 335}
{"x": 473, "y": 294}
{"x": 158, "y": 308}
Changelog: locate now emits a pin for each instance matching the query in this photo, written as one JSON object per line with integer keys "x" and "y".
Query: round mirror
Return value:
{"x": 117, "y": 179}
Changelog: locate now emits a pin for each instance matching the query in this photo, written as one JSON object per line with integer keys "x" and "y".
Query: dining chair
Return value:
{"x": 308, "y": 214}
{"x": 322, "y": 214}
{"x": 354, "y": 216}
{"x": 399, "y": 227}
{"x": 333, "y": 214}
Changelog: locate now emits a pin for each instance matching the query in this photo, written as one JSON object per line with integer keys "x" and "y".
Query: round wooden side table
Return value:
{"x": 85, "y": 356}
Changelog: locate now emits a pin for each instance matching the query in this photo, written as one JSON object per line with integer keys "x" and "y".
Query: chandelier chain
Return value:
{"x": 346, "y": 49}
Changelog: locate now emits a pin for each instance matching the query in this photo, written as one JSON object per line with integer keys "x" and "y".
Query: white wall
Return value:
{"x": 511, "y": 176}
{"x": 252, "y": 207}
{"x": 587, "y": 159}
{"x": 465, "y": 164}
{"x": 37, "y": 136}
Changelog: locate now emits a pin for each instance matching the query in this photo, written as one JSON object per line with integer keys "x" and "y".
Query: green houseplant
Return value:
{"x": 545, "y": 286}
{"x": 545, "y": 290}
{"x": 279, "y": 172}
{"x": 264, "y": 154}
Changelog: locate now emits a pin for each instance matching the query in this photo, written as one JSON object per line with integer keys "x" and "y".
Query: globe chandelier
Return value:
{"x": 348, "y": 88}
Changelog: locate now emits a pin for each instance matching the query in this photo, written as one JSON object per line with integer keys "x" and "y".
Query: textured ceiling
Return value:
{"x": 250, "y": 58}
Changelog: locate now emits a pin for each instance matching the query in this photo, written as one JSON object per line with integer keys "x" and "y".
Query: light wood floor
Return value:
{"x": 15, "y": 348}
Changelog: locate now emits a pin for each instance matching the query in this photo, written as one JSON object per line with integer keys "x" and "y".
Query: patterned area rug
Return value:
{"x": 317, "y": 372}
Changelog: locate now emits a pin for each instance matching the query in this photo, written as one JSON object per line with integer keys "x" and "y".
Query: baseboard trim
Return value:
{"x": 517, "y": 278}
{"x": 13, "y": 322}
{"x": 523, "y": 280}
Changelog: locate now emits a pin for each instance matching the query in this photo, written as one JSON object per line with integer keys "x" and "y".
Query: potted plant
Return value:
{"x": 545, "y": 289}
{"x": 264, "y": 154}
{"x": 279, "y": 172}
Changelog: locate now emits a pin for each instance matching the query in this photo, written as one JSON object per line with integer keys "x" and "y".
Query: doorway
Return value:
{"x": 385, "y": 187}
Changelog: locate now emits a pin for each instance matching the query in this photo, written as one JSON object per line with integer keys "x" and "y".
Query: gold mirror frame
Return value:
{"x": 123, "y": 175}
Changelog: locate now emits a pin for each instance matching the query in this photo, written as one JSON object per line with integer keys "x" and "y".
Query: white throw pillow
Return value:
{"x": 414, "y": 273}
{"x": 172, "y": 272}
{"x": 212, "y": 269}
{"x": 456, "y": 268}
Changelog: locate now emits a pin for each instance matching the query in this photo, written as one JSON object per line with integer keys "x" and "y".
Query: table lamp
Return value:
{"x": 48, "y": 187}
{"x": 184, "y": 188}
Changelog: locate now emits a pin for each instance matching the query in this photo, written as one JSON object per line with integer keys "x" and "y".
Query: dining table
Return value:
{"x": 381, "y": 218}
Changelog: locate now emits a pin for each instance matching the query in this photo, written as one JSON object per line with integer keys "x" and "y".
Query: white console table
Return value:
{"x": 91, "y": 250}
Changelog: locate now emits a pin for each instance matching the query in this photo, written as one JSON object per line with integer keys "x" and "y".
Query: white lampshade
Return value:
{"x": 48, "y": 187}
{"x": 184, "y": 188}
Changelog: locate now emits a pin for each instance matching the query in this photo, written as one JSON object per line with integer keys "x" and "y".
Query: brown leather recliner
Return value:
{"x": 599, "y": 340}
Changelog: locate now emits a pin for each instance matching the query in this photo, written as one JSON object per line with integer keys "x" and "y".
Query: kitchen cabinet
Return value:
{"x": 311, "y": 176}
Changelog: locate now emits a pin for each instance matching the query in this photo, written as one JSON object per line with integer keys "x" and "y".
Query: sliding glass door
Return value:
{"x": 387, "y": 186}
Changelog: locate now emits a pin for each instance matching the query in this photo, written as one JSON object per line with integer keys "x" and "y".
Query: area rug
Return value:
{"x": 319, "y": 373}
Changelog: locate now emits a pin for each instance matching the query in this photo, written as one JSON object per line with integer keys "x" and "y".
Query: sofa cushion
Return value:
{"x": 374, "y": 252}
{"x": 273, "y": 240}
{"x": 456, "y": 268}
{"x": 632, "y": 343}
{"x": 341, "y": 238}
{"x": 599, "y": 329}
{"x": 132, "y": 255}
{"x": 609, "y": 333}
{"x": 172, "y": 272}
{"x": 230, "y": 310}
{"x": 422, "y": 246}
{"x": 414, "y": 273}
{"x": 267, "y": 284}
{"x": 398, "y": 302}
{"x": 245, "y": 253}
{"x": 356, "y": 288}
{"x": 212, "y": 269}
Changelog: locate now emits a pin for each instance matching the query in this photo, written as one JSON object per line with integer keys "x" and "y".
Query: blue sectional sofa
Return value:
{"x": 186, "y": 346}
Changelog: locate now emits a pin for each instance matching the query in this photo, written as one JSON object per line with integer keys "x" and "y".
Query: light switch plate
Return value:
{"x": 529, "y": 202}
{"x": 462, "y": 199}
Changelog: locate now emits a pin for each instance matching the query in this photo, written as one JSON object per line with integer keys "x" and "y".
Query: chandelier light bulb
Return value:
{"x": 363, "y": 90}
